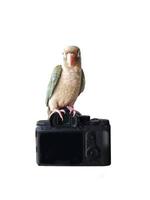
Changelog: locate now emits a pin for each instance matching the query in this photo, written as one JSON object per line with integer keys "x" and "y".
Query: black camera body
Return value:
{"x": 75, "y": 141}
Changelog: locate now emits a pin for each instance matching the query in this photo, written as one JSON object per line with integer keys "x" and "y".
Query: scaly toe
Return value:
{"x": 71, "y": 109}
{"x": 59, "y": 112}
{"x": 74, "y": 112}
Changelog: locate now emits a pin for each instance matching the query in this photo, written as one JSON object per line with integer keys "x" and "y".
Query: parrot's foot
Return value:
{"x": 59, "y": 112}
{"x": 72, "y": 110}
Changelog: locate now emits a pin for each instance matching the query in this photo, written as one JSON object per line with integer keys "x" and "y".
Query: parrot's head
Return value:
{"x": 72, "y": 56}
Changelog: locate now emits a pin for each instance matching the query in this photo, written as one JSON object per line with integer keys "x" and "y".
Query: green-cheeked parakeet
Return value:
{"x": 66, "y": 83}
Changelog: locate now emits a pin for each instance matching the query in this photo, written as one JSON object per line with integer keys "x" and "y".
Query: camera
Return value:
{"x": 75, "y": 141}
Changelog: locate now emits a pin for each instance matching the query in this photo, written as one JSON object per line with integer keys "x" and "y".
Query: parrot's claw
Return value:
{"x": 59, "y": 112}
{"x": 72, "y": 110}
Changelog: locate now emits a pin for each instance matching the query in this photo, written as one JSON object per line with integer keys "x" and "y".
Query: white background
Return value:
{"x": 114, "y": 37}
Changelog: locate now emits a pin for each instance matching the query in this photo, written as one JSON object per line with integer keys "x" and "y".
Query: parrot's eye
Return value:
{"x": 78, "y": 55}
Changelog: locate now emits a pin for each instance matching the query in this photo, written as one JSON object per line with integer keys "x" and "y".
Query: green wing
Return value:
{"x": 53, "y": 82}
{"x": 82, "y": 81}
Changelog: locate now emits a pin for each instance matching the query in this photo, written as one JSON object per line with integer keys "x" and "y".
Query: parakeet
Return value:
{"x": 66, "y": 83}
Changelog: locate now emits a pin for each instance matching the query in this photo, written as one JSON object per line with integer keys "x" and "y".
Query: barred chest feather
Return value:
{"x": 68, "y": 87}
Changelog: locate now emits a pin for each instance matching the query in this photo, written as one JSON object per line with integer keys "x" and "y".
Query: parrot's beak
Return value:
{"x": 71, "y": 59}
